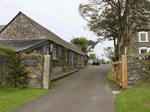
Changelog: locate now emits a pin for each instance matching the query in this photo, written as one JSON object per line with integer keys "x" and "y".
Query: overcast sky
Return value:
{"x": 59, "y": 16}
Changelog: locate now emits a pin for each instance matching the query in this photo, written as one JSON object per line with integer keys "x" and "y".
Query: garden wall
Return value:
{"x": 138, "y": 69}
{"x": 33, "y": 63}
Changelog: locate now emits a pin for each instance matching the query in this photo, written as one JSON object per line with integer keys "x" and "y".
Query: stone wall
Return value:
{"x": 21, "y": 28}
{"x": 35, "y": 73}
{"x": 138, "y": 69}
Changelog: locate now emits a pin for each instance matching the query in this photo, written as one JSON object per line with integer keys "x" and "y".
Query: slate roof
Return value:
{"x": 53, "y": 37}
{"x": 1, "y": 27}
{"x": 21, "y": 45}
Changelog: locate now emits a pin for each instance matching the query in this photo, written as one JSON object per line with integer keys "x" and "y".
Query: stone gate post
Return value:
{"x": 46, "y": 72}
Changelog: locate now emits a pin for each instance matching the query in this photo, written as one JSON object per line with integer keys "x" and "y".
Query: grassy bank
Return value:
{"x": 112, "y": 84}
{"x": 109, "y": 75}
{"x": 135, "y": 99}
{"x": 12, "y": 99}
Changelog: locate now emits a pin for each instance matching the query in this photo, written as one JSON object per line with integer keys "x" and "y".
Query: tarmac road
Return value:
{"x": 84, "y": 91}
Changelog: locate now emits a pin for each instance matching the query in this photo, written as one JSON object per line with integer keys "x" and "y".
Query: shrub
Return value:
{"x": 7, "y": 51}
{"x": 16, "y": 75}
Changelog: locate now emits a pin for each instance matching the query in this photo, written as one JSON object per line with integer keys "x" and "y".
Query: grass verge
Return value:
{"x": 135, "y": 99}
{"x": 112, "y": 84}
{"x": 13, "y": 98}
{"x": 109, "y": 75}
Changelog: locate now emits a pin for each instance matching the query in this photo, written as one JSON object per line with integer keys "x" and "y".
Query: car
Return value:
{"x": 95, "y": 62}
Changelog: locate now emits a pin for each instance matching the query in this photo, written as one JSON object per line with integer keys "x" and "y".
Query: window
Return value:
{"x": 57, "y": 51}
{"x": 51, "y": 47}
{"x": 143, "y": 36}
{"x": 47, "y": 50}
{"x": 67, "y": 55}
{"x": 143, "y": 51}
{"x": 54, "y": 52}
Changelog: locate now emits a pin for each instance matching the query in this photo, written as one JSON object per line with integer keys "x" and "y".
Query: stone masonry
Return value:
{"x": 138, "y": 69}
{"x": 35, "y": 73}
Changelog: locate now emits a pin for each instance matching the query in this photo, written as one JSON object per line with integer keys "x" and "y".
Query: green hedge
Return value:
{"x": 6, "y": 51}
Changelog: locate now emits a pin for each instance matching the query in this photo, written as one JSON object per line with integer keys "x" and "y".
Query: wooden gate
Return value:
{"x": 119, "y": 71}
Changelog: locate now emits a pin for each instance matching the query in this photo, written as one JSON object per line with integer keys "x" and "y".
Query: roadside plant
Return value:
{"x": 16, "y": 75}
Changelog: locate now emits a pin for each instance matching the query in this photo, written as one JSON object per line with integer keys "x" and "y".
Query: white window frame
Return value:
{"x": 144, "y": 48}
{"x": 146, "y": 33}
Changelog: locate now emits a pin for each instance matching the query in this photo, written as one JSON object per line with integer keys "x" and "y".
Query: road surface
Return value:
{"x": 83, "y": 91}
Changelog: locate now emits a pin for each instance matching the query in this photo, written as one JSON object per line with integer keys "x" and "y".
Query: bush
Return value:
{"x": 16, "y": 75}
{"x": 7, "y": 51}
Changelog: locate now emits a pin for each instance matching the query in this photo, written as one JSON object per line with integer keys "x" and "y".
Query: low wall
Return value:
{"x": 57, "y": 70}
{"x": 138, "y": 69}
{"x": 35, "y": 72}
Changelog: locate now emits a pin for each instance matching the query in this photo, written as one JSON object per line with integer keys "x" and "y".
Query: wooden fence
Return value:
{"x": 119, "y": 71}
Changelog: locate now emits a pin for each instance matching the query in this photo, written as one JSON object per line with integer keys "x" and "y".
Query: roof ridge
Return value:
{"x": 30, "y": 19}
{"x": 34, "y": 23}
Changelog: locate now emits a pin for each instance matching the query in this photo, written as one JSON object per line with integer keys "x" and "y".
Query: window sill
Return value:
{"x": 56, "y": 59}
{"x": 143, "y": 41}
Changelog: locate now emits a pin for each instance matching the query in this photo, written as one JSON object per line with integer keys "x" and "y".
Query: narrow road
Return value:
{"x": 83, "y": 91}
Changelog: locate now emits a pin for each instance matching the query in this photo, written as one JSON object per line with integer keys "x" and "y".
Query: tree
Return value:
{"x": 116, "y": 20}
{"x": 91, "y": 45}
{"x": 81, "y": 43}
{"x": 103, "y": 61}
{"x": 93, "y": 56}
{"x": 109, "y": 53}
{"x": 84, "y": 44}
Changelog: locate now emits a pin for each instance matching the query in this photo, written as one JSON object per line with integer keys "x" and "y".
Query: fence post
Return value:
{"x": 124, "y": 71}
{"x": 120, "y": 72}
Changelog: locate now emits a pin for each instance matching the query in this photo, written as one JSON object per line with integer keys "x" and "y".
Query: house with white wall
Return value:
{"x": 143, "y": 44}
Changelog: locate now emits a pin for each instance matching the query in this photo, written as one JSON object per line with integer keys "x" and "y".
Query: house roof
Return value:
{"x": 53, "y": 37}
{"x": 23, "y": 45}
{"x": 1, "y": 27}
{"x": 48, "y": 34}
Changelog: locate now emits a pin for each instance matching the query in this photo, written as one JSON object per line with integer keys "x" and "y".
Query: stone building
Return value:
{"x": 139, "y": 42}
{"x": 25, "y": 36}
{"x": 143, "y": 45}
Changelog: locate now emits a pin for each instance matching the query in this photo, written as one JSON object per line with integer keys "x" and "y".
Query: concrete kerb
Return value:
{"x": 64, "y": 75}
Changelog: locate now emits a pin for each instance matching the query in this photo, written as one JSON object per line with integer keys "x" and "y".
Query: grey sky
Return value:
{"x": 59, "y": 16}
